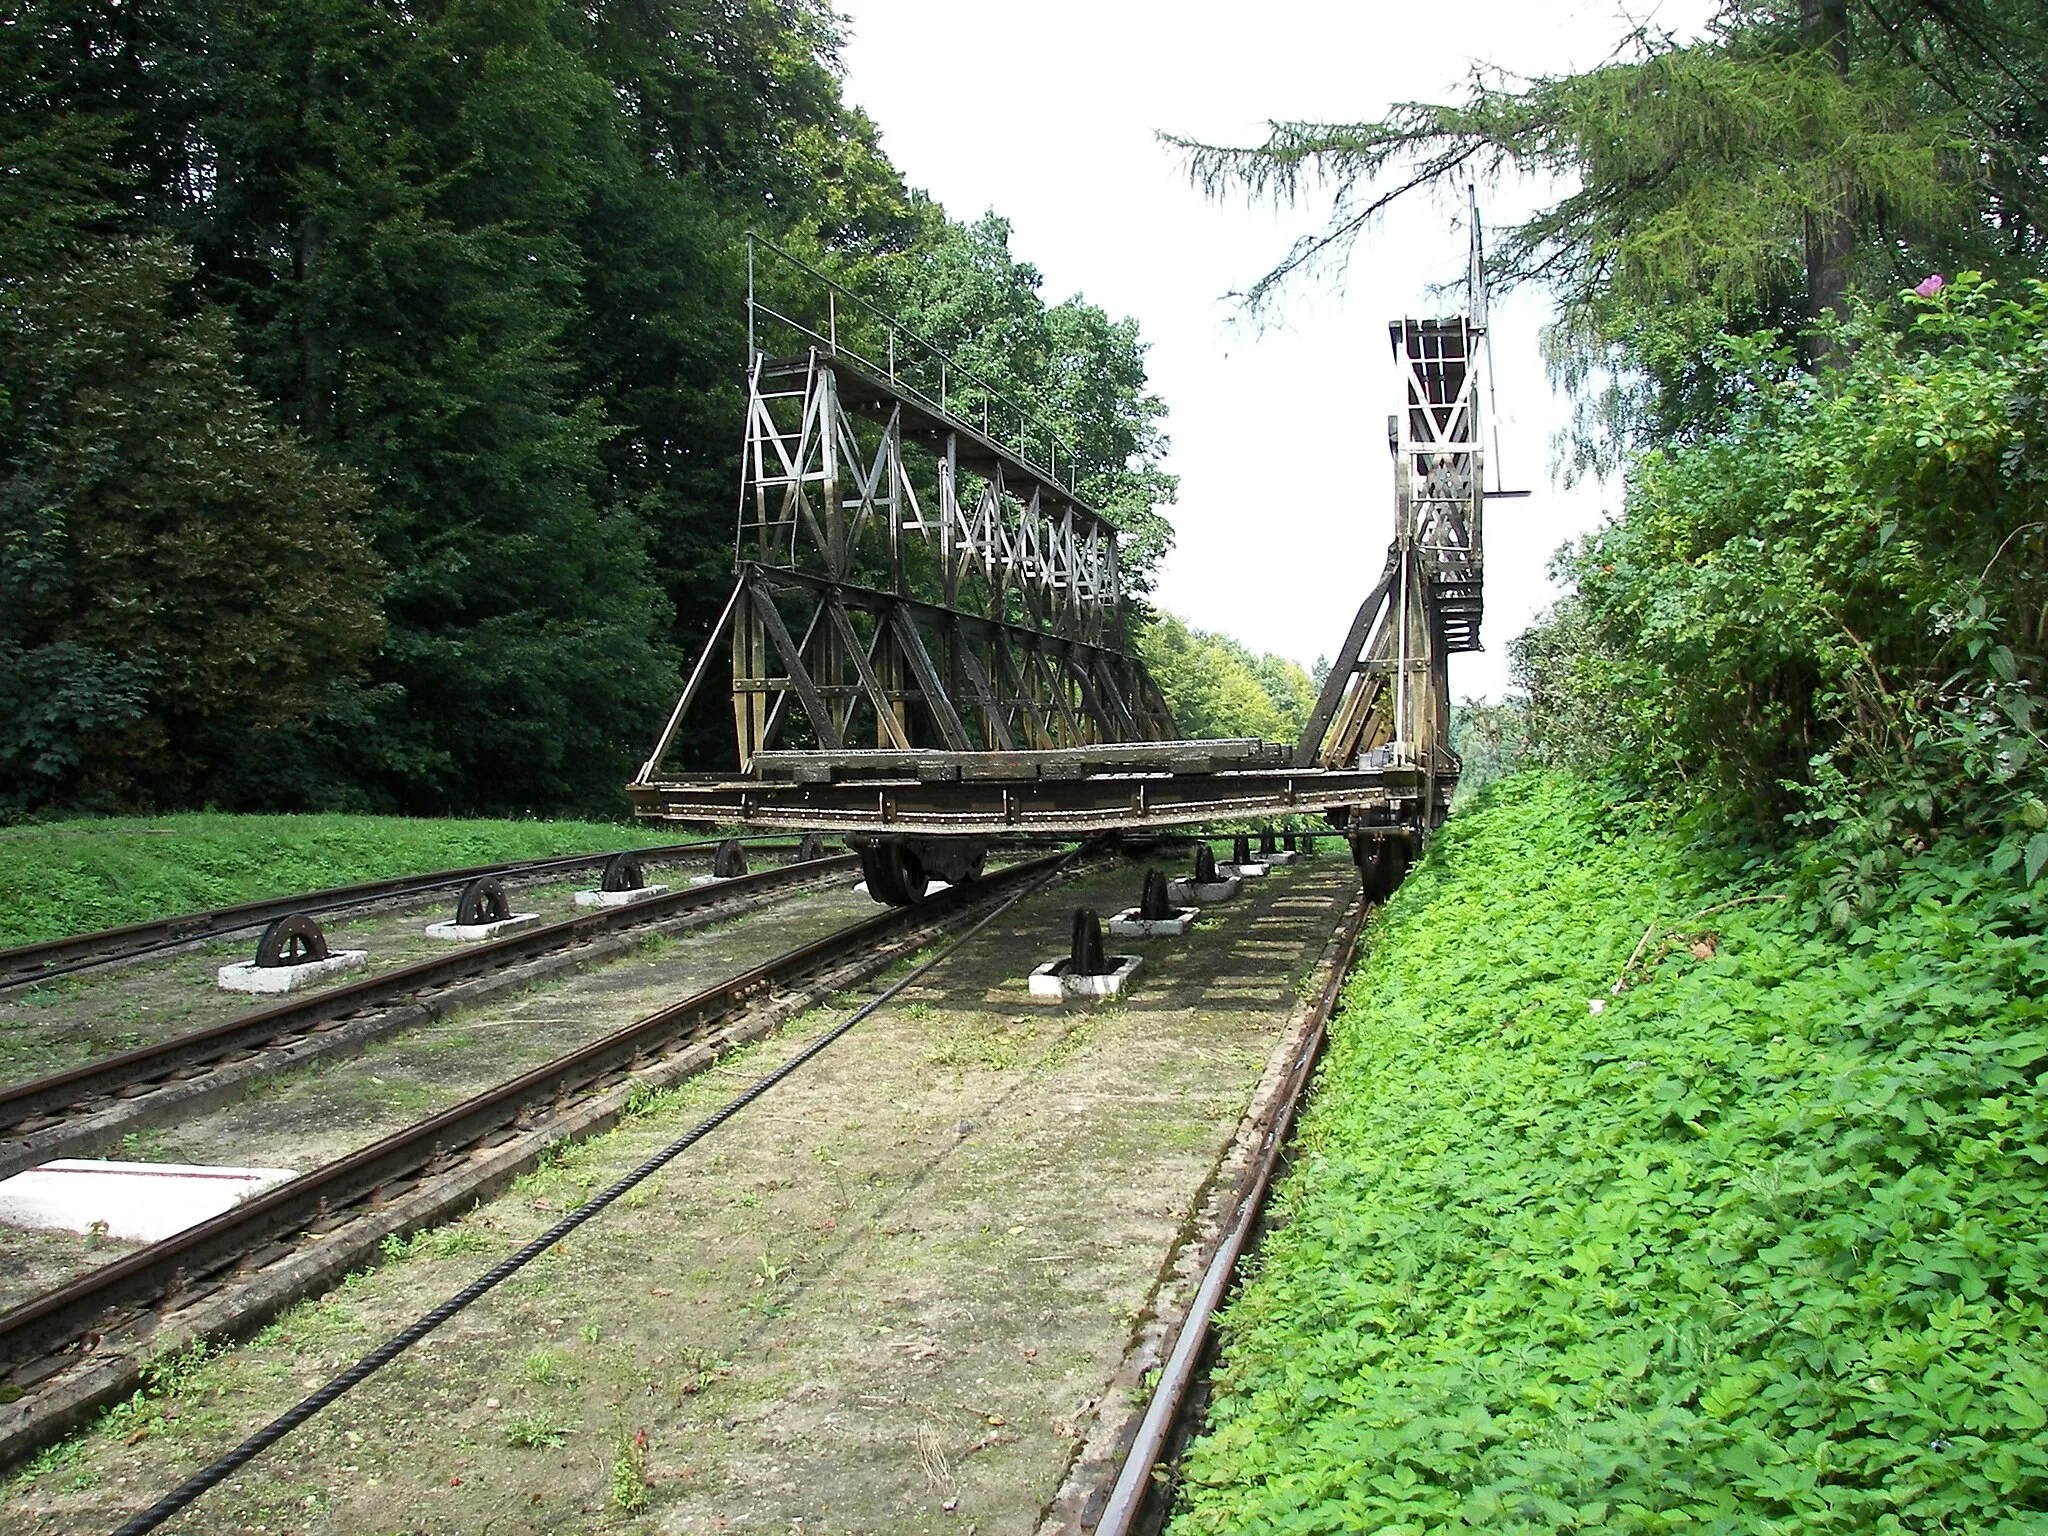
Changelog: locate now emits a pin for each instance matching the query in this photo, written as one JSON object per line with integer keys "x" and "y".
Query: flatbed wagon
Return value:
{"x": 929, "y": 627}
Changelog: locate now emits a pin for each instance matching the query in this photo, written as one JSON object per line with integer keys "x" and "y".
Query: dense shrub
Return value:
{"x": 1833, "y": 606}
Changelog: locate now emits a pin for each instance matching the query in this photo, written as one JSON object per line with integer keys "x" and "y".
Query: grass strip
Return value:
{"x": 65, "y": 877}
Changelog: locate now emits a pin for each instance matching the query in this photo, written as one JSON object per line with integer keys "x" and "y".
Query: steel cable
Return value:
{"x": 209, "y": 1476}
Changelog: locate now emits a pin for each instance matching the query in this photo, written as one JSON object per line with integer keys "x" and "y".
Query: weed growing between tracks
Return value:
{"x": 1754, "y": 1243}
{"x": 884, "y": 1254}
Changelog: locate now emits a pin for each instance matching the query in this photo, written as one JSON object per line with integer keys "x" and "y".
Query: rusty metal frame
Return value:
{"x": 1387, "y": 699}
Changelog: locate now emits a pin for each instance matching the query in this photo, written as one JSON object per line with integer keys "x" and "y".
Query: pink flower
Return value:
{"x": 1930, "y": 285}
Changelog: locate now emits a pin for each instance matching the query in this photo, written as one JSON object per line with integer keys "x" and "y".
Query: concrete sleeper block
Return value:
{"x": 618, "y": 898}
{"x": 1202, "y": 893}
{"x": 1128, "y": 925}
{"x": 1050, "y": 982}
{"x": 468, "y": 933}
{"x": 248, "y": 976}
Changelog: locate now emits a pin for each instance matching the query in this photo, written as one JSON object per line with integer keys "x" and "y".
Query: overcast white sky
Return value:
{"x": 1047, "y": 112}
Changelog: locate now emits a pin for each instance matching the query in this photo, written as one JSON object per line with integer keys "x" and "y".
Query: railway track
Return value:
{"x": 27, "y": 965}
{"x": 1131, "y": 1492}
{"x": 75, "y": 1348}
{"x": 86, "y": 1106}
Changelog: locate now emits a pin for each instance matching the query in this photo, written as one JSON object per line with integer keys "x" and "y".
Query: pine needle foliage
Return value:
{"x": 1700, "y": 181}
{"x": 1697, "y": 170}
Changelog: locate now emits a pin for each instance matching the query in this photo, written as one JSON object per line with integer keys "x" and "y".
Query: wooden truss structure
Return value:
{"x": 928, "y": 627}
{"x": 1387, "y": 698}
{"x": 911, "y": 578}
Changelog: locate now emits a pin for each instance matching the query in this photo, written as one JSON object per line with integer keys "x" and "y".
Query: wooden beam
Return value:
{"x": 792, "y": 658}
{"x": 1310, "y": 746}
{"x": 1034, "y": 717}
{"x": 977, "y": 679}
{"x": 911, "y": 643}
{"x": 878, "y": 698}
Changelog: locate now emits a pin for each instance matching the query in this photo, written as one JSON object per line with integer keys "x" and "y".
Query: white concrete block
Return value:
{"x": 931, "y": 889}
{"x": 139, "y": 1202}
{"x": 618, "y": 898}
{"x": 248, "y": 976}
{"x": 1279, "y": 856}
{"x": 1202, "y": 892}
{"x": 470, "y": 932}
{"x": 1241, "y": 871}
{"x": 1128, "y": 925}
{"x": 1050, "y": 983}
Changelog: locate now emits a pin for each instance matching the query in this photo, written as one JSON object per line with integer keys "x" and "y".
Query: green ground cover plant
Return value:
{"x": 68, "y": 877}
{"x": 1757, "y": 1242}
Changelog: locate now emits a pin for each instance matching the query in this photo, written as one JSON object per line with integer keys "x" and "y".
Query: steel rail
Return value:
{"x": 62, "y": 1091}
{"x": 222, "y": 1467}
{"x": 108, "y": 946}
{"x": 75, "y": 1313}
{"x": 1135, "y": 1484}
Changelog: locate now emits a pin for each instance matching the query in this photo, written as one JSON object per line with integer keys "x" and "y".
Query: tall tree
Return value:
{"x": 1748, "y": 180}
{"x": 1079, "y": 372}
{"x": 180, "y": 577}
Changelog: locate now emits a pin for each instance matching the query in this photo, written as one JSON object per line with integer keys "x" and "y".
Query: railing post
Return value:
{"x": 832, "y": 312}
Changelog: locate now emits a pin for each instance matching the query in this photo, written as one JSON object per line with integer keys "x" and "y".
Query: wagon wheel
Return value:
{"x": 730, "y": 862}
{"x": 811, "y": 849}
{"x": 622, "y": 872}
{"x": 1085, "y": 954}
{"x": 1369, "y": 854}
{"x": 295, "y": 939}
{"x": 483, "y": 900}
{"x": 1393, "y": 866}
{"x": 895, "y": 874}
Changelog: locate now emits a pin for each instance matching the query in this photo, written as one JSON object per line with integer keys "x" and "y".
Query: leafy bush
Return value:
{"x": 1833, "y": 606}
{"x": 1758, "y": 1246}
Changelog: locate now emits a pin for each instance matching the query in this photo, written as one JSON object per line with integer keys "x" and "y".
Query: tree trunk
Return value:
{"x": 1830, "y": 237}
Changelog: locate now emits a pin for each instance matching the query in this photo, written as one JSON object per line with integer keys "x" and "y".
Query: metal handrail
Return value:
{"x": 1027, "y": 415}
